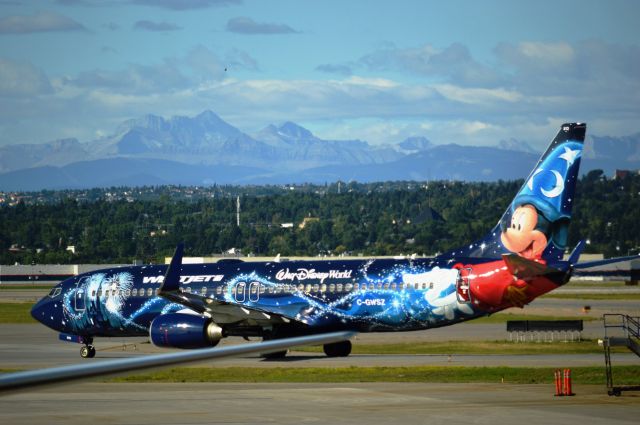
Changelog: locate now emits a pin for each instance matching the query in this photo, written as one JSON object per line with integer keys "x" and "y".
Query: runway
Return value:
{"x": 26, "y": 346}
{"x": 357, "y": 403}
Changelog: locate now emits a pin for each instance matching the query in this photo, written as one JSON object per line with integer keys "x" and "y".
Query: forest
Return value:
{"x": 369, "y": 219}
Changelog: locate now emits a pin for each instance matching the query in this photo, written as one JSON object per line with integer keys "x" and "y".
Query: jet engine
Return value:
{"x": 179, "y": 330}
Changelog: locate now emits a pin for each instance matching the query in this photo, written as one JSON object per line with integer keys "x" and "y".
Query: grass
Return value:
{"x": 592, "y": 296}
{"x": 623, "y": 375}
{"x": 504, "y": 317}
{"x": 477, "y": 348}
{"x": 26, "y": 287}
{"x": 16, "y": 313}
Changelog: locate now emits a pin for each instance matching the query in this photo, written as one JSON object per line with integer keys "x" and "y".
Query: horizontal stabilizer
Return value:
{"x": 523, "y": 268}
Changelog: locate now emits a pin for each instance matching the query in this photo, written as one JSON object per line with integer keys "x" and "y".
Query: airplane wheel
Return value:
{"x": 88, "y": 352}
{"x": 338, "y": 349}
{"x": 275, "y": 355}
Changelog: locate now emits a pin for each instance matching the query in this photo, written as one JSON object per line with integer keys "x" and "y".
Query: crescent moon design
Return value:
{"x": 530, "y": 182}
{"x": 557, "y": 190}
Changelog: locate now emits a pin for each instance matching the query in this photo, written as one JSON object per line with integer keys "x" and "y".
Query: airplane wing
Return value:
{"x": 524, "y": 268}
{"x": 219, "y": 311}
{"x": 11, "y": 382}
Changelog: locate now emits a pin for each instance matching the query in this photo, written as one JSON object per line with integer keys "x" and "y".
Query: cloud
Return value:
{"x": 344, "y": 70}
{"x": 529, "y": 89}
{"x": 145, "y": 25}
{"x": 204, "y": 64}
{"x": 186, "y": 4}
{"x": 111, "y": 26}
{"x": 22, "y": 79}
{"x": 239, "y": 59}
{"x": 453, "y": 63}
{"x": 199, "y": 66}
{"x": 38, "y": 22}
{"x": 244, "y": 25}
{"x": 138, "y": 80}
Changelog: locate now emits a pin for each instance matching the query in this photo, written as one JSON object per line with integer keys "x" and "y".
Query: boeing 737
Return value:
{"x": 196, "y": 305}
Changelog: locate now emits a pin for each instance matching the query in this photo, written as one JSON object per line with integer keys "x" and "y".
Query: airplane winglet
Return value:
{"x": 171, "y": 280}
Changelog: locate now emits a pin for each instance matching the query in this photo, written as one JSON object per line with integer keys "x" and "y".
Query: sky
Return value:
{"x": 466, "y": 72}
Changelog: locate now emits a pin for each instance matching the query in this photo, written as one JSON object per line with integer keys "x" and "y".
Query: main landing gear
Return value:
{"x": 88, "y": 351}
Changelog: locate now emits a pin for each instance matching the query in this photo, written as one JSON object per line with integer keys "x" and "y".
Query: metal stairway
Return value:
{"x": 626, "y": 333}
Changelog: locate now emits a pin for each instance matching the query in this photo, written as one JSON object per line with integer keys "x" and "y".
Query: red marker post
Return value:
{"x": 558, "y": 380}
{"x": 567, "y": 383}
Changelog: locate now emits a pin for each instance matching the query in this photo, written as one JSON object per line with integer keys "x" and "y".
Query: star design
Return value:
{"x": 569, "y": 155}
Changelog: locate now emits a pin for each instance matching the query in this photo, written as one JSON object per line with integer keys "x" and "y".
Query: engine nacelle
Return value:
{"x": 179, "y": 330}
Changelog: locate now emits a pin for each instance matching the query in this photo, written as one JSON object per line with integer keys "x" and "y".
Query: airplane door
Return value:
{"x": 240, "y": 292}
{"x": 79, "y": 298}
{"x": 463, "y": 286}
{"x": 254, "y": 292}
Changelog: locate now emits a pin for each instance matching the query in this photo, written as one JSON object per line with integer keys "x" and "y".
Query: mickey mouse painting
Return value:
{"x": 540, "y": 214}
{"x": 534, "y": 223}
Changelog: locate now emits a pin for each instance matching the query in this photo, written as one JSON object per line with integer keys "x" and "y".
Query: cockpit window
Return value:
{"x": 55, "y": 292}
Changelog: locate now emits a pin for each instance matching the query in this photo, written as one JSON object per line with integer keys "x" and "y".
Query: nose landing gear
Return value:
{"x": 88, "y": 351}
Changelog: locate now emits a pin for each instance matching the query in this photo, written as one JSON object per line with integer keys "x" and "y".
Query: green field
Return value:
{"x": 28, "y": 287}
{"x": 476, "y": 347}
{"x": 16, "y": 313}
{"x": 592, "y": 296}
{"x": 623, "y": 375}
{"x": 504, "y": 317}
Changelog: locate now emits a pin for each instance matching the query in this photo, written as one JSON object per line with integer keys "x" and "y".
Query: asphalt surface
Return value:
{"x": 28, "y": 346}
{"x": 357, "y": 403}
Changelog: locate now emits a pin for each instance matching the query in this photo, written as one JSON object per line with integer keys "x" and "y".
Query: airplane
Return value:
{"x": 193, "y": 306}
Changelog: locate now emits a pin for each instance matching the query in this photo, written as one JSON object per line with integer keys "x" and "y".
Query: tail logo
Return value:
{"x": 541, "y": 211}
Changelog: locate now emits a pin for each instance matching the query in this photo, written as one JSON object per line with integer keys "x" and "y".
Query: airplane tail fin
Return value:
{"x": 535, "y": 225}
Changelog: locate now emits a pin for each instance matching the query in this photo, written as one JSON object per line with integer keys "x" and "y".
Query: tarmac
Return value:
{"x": 355, "y": 403}
{"x": 28, "y": 346}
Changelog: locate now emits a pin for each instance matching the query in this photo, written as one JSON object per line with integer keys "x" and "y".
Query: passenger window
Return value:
{"x": 93, "y": 293}
{"x": 386, "y": 286}
{"x": 348, "y": 287}
{"x": 127, "y": 292}
{"x": 134, "y": 292}
{"x": 316, "y": 287}
{"x": 149, "y": 292}
{"x": 379, "y": 285}
{"x": 415, "y": 286}
{"x": 339, "y": 287}
{"x": 301, "y": 287}
{"x": 372, "y": 287}
{"x": 323, "y": 287}
{"x": 332, "y": 287}
{"x": 424, "y": 286}
{"x": 308, "y": 288}
{"x": 393, "y": 286}
{"x": 218, "y": 290}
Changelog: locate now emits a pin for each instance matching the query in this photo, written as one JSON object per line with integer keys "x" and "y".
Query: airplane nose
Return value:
{"x": 38, "y": 310}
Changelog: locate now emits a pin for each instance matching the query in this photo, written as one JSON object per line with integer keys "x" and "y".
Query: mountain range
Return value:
{"x": 205, "y": 149}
